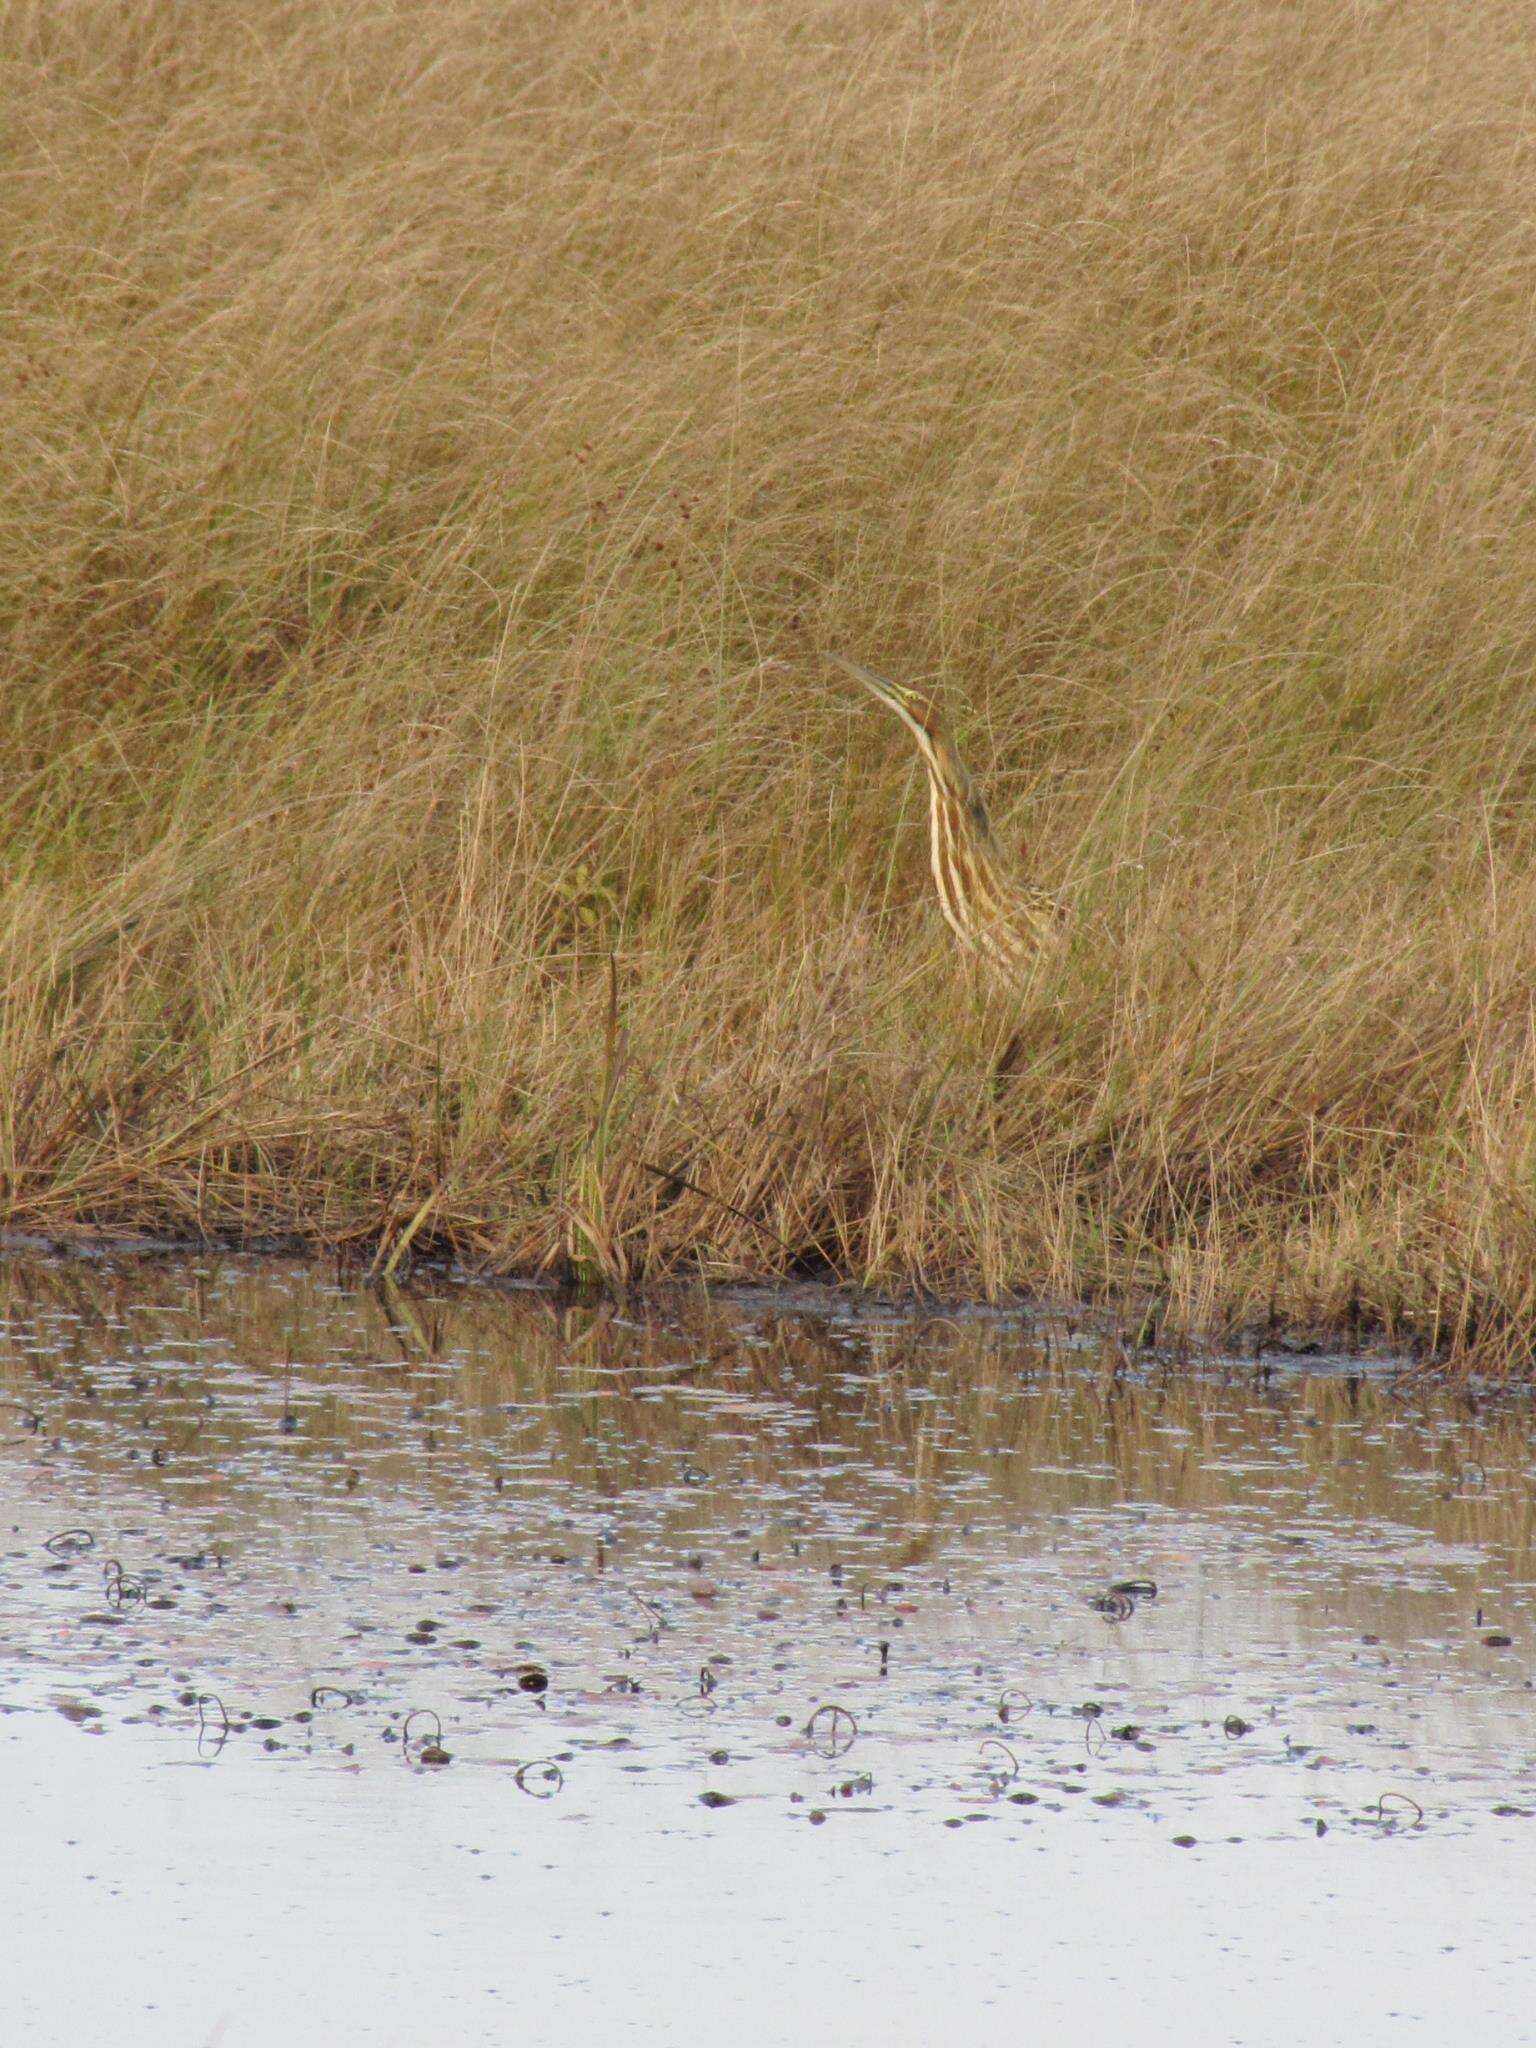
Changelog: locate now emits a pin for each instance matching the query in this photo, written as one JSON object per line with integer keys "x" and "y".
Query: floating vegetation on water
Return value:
{"x": 807, "y": 1537}
{"x": 832, "y": 1731}
{"x": 121, "y": 1588}
{"x": 1113, "y": 1606}
{"x": 653, "y": 1614}
{"x": 1000, "y": 1764}
{"x": 540, "y": 1779}
{"x": 210, "y": 1738}
{"x": 429, "y": 1751}
{"x": 1392, "y": 1806}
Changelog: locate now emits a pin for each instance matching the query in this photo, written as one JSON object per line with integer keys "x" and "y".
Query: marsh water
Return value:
{"x": 454, "y": 1665}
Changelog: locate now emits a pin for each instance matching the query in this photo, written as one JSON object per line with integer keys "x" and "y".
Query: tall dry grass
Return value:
{"x": 439, "y": 441}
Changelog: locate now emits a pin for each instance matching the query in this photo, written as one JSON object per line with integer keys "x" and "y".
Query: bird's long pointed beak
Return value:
{"x": 906, "y": 704}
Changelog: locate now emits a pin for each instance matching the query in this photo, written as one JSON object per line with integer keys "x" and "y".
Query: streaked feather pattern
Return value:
{"x": 990, "y": 910}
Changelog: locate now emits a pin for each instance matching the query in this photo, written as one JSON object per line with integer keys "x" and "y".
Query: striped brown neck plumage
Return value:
{"x": 990, "y": 911}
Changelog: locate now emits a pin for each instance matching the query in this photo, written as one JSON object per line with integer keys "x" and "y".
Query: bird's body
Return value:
{"x": 993, "y": 914}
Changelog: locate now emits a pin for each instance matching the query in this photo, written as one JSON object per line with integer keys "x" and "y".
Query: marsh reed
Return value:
{"x": 441, "y": 444}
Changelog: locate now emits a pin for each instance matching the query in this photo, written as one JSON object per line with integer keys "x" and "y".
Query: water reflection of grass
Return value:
{"x": 468, "y": 1393}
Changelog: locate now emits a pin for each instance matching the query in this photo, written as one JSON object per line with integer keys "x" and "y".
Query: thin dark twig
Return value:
{"x": 1113, "y": 1606}
{"x": 122, "y": 1589}
{"x": 658, "y": 1619}
{"x": 832, "y": 1731}
{"x": 421, "y": 1714}
{"x": 999, "y": 1777}
{"x": 681, "y": 1180}
{"x": 1406, "y": 1799}
{"x": 204, "y": 1701}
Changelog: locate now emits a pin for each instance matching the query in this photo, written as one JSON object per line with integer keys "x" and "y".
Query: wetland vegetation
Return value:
{"x": 440, "y": 445}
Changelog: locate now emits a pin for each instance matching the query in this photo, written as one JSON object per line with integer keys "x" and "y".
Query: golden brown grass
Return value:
{"x": 439, "y": 441}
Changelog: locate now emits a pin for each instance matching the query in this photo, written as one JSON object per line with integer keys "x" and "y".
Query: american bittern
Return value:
{"x": 990, "y": 910}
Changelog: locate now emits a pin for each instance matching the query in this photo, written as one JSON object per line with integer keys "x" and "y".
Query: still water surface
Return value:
{"x": 772, "y": 1646}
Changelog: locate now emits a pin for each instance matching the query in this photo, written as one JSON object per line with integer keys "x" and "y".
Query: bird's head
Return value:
{"x": 912, "y": 707}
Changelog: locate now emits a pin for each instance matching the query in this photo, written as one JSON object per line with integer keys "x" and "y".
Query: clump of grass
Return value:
{"x": 437, "y": 445}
